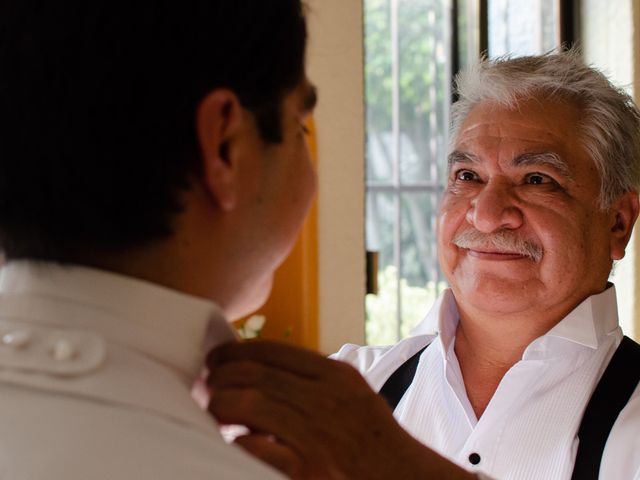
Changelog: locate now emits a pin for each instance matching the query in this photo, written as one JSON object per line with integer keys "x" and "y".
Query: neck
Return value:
{"x": 202, "y": 275}
{"x": 204, "y": 257}
{"x": 487, "y": 346}
{"x": 498, "y": 340}
{"x": 162, "y": 263}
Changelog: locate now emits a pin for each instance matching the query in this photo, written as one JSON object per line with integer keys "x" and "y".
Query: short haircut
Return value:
{"x": 98, "y": 102}
{"x": 610, "y": 121}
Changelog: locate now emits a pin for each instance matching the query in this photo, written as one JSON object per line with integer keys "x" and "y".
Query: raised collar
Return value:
{"x": 442, "y": 320}
{"x": 586, "y": 325}
{"x": 592, "y": 320}
{"x": 169, "y": 326}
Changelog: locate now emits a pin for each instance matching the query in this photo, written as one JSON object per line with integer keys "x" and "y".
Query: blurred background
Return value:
{"x": 365, "y": 268}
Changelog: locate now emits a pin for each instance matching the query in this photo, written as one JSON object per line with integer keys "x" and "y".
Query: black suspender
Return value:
{"x": 395, "y": 386}
{"x": 612, "y": 393}
{"x": 609, "y": 398}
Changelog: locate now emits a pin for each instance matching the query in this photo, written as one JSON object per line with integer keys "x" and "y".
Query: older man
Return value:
{"x": 541, "y": 199}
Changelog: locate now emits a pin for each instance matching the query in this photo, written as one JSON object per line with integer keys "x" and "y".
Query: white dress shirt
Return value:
{"x": 95, "y": 377}
{"x": 529, "y": 429}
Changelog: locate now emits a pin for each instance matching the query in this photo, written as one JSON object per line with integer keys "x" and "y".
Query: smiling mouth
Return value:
{"x": 500, "y": 245}
{"x": 494, "y": 255}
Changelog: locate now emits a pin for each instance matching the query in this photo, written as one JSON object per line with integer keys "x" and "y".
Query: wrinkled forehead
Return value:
{"x": 529, "y": 113}
{"x": 544, "y": 131}
{"x": 550, "y": 122}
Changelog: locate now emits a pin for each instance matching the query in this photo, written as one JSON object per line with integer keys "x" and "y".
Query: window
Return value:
{"x": 522, "y": 27}
{"x": 413, "y": 48}
{"x": 408, "y": 79}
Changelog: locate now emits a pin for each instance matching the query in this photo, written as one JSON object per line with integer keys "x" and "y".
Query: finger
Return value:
{"x": 261, "y": 414}
{"x": 279, "y": 456}
{"x": 278, "y": 385}
{"x": 286, "y": 357}
{"x": 342, "y": 388}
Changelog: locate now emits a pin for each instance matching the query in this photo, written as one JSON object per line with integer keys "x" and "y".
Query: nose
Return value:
{"x": 494, "y": 208}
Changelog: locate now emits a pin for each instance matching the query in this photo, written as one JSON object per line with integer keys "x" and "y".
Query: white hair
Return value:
{"x": 610, "y": 121}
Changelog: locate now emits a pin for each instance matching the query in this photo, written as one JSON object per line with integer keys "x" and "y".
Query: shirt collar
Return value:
{"x": 592, "y": 320}
{"x": 587, "y": 324}
{"x": 442, "y": 320}
{"x": 170, "y": 326}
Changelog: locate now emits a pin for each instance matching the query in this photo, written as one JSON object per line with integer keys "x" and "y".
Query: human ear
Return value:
{"x": 218, "y": 125}
{"x": 625, "y": 210}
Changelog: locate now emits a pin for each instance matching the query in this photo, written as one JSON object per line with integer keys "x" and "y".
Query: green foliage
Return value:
{"x": 381, "y": 325}
{"x": 378, "y": 63}
{"x": 423, "y": 64}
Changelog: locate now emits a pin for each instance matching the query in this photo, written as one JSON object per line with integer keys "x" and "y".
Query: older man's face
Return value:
{"x": 520, "y": 230}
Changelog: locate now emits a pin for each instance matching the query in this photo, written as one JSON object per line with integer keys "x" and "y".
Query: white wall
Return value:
{"x": 335, "y": 65}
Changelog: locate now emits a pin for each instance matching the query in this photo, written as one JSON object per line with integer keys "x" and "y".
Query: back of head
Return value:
{"x": 97, "y": 110}
{"x": 610, "y": 125}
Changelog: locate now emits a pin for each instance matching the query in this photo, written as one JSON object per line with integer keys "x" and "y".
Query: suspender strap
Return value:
{"x": 395, "y": 386}
{"x": 609, "y": 398}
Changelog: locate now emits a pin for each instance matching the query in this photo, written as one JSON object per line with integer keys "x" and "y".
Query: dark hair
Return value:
{"x": 97, "y": 110}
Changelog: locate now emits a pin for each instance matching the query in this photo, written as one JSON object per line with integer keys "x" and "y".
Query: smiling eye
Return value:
{"x": 537, "y": 179}
{"x": 466, "y": 176}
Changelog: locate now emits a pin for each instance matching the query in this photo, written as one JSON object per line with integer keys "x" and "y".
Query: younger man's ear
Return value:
{"x": 626, "y": 212}
{"x": 218, "y": 124}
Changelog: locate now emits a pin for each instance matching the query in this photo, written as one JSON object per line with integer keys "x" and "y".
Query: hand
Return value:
{"x": 311, "y": 417}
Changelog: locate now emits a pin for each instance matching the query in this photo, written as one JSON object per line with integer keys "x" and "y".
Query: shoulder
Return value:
{"x": 377, "y": 363}
{"x": 75, "y": 438}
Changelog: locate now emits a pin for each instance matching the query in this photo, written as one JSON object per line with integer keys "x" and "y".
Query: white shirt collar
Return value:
{"x": 442, "y": 320}
{"x": 170, "y": 326}
{"x": 592, "y": 320}
{"x": 587, "y": 324}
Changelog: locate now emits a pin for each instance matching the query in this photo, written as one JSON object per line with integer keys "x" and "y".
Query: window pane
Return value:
{"x": 382, "y": 314}
{"x": 522, "y": 27}
{"x": 424, "y": 92}
{"x": 378, "y": 91}
{"x": 407, "y": 78}
{"x": 422, "y": 279}
{"x": 468, "y": 32}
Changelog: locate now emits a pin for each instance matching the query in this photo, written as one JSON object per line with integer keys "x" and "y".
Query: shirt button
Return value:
{"x": 474, "y": 459}
{"x": 63, "y": 350}
{"x": 17, "y": 339}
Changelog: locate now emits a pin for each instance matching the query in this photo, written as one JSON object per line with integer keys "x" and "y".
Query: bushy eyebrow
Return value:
{"x": 547, "y": 159}
{"x": 461, "y": 157}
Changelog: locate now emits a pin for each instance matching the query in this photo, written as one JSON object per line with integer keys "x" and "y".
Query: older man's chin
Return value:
{"x": 501, "y": 288}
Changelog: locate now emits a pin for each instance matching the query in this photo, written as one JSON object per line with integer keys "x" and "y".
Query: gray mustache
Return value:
{"x": 502, "y": 240}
